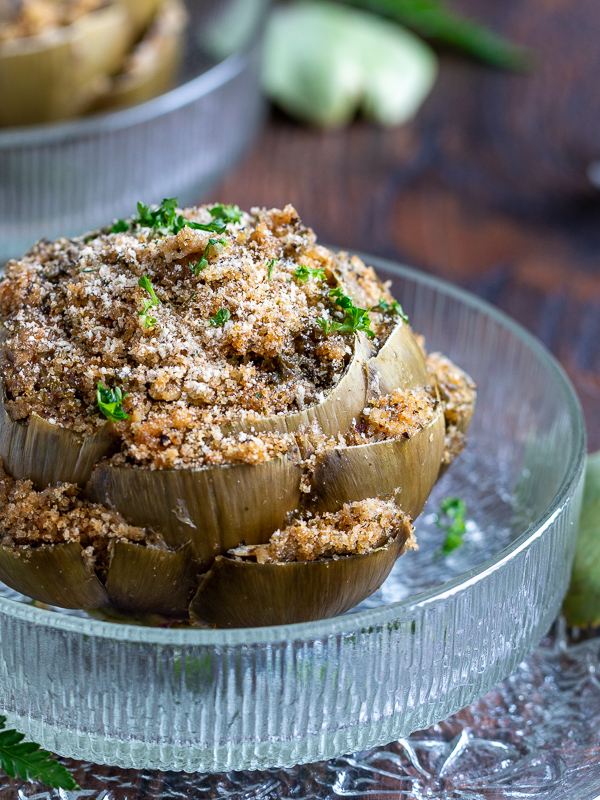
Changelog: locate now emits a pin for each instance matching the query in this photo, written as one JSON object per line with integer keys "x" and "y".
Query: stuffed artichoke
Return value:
{"x": 205, "y": 413}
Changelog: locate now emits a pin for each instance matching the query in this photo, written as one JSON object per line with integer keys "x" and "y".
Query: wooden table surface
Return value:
{"x": 488, "y": 188}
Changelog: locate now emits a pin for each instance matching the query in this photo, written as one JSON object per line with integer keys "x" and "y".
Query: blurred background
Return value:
{"x": 461, "y": 137}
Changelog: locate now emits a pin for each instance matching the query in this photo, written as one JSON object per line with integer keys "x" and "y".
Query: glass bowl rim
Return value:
{"x": 373, "y": 617}
{"x": 212, "y": 79}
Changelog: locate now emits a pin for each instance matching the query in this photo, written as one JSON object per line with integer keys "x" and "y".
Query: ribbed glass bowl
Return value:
{"x": 65, "y": 178}
{"x": 439, "y": 633}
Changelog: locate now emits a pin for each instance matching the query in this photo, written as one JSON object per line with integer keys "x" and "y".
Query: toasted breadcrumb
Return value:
{"x": 396, "y": 415}
{"x": 73, "y": 317}
{"x": 30, "y": 518}
{"x": 457, "y": 392}
{"x": 356, "y": 529}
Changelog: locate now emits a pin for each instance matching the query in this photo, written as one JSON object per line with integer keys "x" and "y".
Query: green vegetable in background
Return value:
{"x": 324, "y": 62}
{"x": 582, "y": 604}
{"x": 434, "y": 20}
{"x": 27, "y": 761}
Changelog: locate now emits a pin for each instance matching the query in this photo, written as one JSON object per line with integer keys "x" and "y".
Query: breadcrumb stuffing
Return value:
{"x": 356, "y": 529}
{"x": 32, "y": 17}
{"x": 74, "y": 317}
{"x": 30, "y": 518}
{"x": 399, "y": 415}
{"x": 457, "y": 392}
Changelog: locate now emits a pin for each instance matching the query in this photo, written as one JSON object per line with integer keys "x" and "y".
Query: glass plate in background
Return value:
{"x": 438, "y": 634}
{"x": 66, "y": 178}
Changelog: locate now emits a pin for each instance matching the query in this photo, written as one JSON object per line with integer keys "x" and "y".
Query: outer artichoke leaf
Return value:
{"x": 398, "y": 365}
{"x": 242, "y": 594}
{"x": 402, "y": 469}
{"x": 58, "y": 73}
{"x": 47, "y": 454}
{"x": 214, "y": 508}
{"x": 54, "y": 574}
{"x": 335, "y": 413}
{"x": 147, "y": 580}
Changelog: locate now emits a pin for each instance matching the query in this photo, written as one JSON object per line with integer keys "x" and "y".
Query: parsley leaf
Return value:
{"x": 455, "y": 509}
{"x": 149, "y": 322}
{"x": 110, "y": 402}
{"x": 120, "y": 226}
{"x": 202, "y": 264}
{"x": 272, "y": 263}
{"x": 226, "y": 213}
{"x": 165, "y": 220}
{"x": 220, "y": 318}
{"x": 391, "y": 308}
{"x": 30, "y": 763}
{"x": 355, "y": 319}
{"x": 304, "y": 273}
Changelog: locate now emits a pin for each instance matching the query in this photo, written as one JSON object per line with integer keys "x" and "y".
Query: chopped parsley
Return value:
{"x": 120, "y": 226}
{"x": 220, "y": 318}
{"x": 202, "y": 264}
{"x": 304, "y": 273}
{"x": 165, "y": 220}
{"x": 149, "y": 322}
{"x": 391, "y": 308}
{"x": 272, "y": 263}
{"x": 355, "y": 319}
{"x": 455, "y": 509}
{"x": 110, "y": 402}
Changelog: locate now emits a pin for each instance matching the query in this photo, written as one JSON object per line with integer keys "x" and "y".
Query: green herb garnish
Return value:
{"x": 220, "y": 318}
{"x": 120, "y": 226}
{"x": 110, "y": 402}
{"x": 226, "y": 213}
{"x": 202, "y": 264}
{"x": 165, "y": 220}
{"x": 272, "y": 263}
{"x": 455, "y": 509}
{"x": 30, "y": 763}
{"x": 355, "y": 319}
{"x": 304, "y": 273}
{"x": 149, "y": 322}
{"x": 391, "y": 308}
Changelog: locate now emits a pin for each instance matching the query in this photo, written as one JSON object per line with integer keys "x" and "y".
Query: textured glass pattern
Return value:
{"x": 65, "y": 179}
{"x": 439, "y": 634}
{"x": 533, "y": 736}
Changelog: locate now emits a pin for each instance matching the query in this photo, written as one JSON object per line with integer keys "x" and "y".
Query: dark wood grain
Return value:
{"x": 488, "y": 187}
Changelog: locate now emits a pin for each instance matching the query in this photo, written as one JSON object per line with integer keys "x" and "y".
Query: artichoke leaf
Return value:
{"x": 58, "y": 73}
{"x": 214, "y": 508}
{"x": 402, "y": 469}
{"x": 144, "y": 579}
{"x": 54, "y": 574}
{"x": 335, "y": 413}
{"x": 244, "y": 594}
{"x": 398, "y": 365}
{"x": 47, "y": 454}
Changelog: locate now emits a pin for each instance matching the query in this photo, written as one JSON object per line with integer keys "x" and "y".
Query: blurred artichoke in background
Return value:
{"x": 63, "y": 58}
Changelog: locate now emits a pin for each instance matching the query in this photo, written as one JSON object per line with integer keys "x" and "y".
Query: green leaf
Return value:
{"x": 110, "y": 402}
{"x": 27, "y": 761}
{"x": 455, "y": 510}
{"x": 272, "y": 263}
{"x": 304, "y": 273}
{"x": 202, "y": 264}
{"x": 120, "y": 226}
{"x": 324, "y": 62}
{"x": 220, "y": 318}
{"x": 582, "y": 604}
{"x": 434, "y": 20}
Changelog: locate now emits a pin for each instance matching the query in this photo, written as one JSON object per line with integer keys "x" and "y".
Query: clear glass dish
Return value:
{"x": 439, "y": 633}
{"x": 64, "y": 178}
